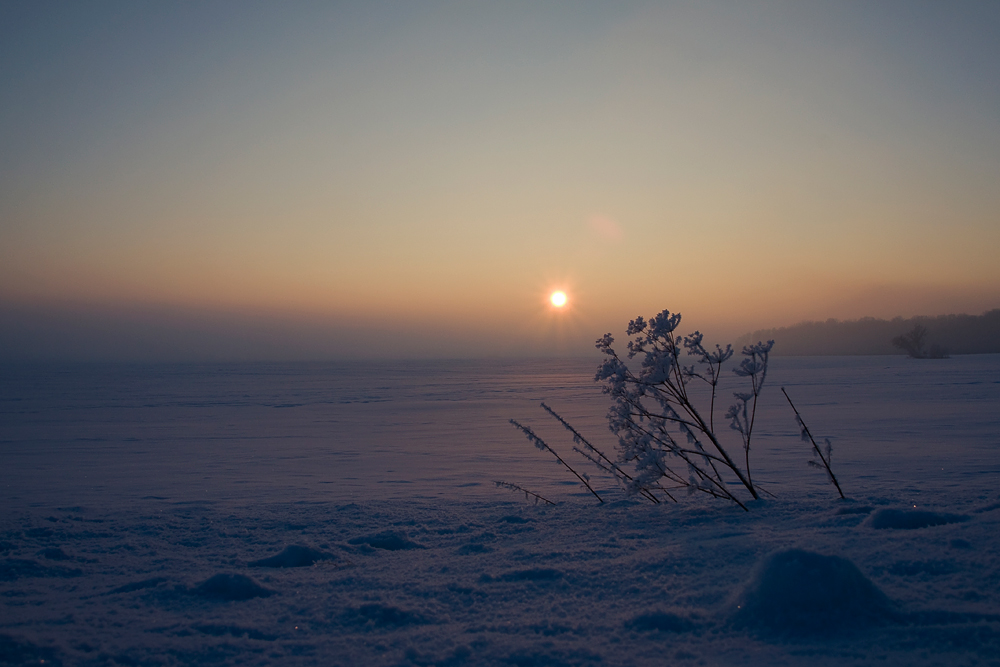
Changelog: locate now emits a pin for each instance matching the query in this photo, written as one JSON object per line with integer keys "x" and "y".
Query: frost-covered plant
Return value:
{"x": 666, "y": 426}
{"x": 664, "y": 414}
{"x": 664, "y": 431}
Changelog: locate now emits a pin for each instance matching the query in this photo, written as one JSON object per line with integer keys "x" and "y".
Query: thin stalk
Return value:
{"x": 541, "y": 444}
{"x": 608, "y": 465}
{"x": 583, "y": 441}
{"x": 698, "y": 424}
{"x": 805, "y": 429}
{"x": 723, "y": 492}
{"x": 732, "y": 465}
{"x": 753, "y": 415}
{"x": 711, "y": 407}
{"x": 527, "y": 494}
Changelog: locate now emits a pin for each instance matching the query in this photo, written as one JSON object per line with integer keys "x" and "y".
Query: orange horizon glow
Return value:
{"x": 367, "y": 172}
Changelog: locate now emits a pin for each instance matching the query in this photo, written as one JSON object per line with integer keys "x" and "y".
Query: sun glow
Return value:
{"x": 558, "y": 299}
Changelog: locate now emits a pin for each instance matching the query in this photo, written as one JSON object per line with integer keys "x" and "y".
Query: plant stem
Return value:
{"x": 805, "y": 429}
{"x": 541, "y": 444}
{"x": 527, "y": 494}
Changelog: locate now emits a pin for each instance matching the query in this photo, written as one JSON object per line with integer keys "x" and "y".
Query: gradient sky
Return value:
{"x": 296, "y": 180}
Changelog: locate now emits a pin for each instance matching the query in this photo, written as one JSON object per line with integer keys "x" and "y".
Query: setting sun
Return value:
{"x": 558, "y": 299}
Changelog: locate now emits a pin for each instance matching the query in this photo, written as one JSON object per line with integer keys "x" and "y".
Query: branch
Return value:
{"x": 527, "y": 494}
{"x": 541, "y": 444}
{"x": 805, "y": 431}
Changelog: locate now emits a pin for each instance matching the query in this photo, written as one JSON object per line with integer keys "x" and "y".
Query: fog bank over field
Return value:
{"x": 84, "y": 332}
{"x": 171, "y": 333}
{"x": 957, "y": 334}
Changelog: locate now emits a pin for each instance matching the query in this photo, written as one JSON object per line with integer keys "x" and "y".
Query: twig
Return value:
{"x": 604, "y": 463}
{"x": 528, "y": 495}
{"x": 541, "y": 444}
{"x": 805, "y": 432}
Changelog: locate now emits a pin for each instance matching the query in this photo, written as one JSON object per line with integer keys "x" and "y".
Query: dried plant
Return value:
{"x": 824, "y": 460}
{"x": 663, "y": 413}
{"x": 668, "y": 441}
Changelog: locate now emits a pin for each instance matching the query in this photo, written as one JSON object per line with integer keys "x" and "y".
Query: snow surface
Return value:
{"x": 345, "y": 515}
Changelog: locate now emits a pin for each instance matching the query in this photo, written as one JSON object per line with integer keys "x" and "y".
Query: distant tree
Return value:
{"x": 955, "y": 334}
{"x": 913, "y": 344}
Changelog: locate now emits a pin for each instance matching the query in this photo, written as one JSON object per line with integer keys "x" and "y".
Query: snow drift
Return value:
{"x": 801, "y": 593}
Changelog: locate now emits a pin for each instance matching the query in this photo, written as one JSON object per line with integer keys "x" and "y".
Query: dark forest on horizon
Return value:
{"x": 956, "y": 334}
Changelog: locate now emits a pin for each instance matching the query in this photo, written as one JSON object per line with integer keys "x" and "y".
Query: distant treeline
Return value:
{"x": 957, "y": 334}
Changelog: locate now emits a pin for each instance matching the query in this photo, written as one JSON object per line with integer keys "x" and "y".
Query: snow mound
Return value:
{"x": 847, "y": 511}
{"x": 911, "y": 568}
{"x": 535, "y": 574}
{"x": 473, "y": 548}
{"x": 16, "y": 568}
{"x": 137, "y": 586}
{"x": 231, "y": 587}
{"x": 661, "y": 621}
{"x": 799, "y": 593}
{"x": 382, "y": 616}
{"x": 390, "y": 541}
{"x": 14, "y": 652}
{"x": 294, "y": 555}
{"x": 54, "y": 553}
{"x": 911, "y": 519}
{"x": 233, "y": 631}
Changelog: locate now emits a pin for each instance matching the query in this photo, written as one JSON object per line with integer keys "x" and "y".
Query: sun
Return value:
{"x": 558, "y": 299}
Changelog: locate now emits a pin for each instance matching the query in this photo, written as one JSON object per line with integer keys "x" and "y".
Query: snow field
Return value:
{"x": 345, "y": 515}
{"x": 418, "y": 583}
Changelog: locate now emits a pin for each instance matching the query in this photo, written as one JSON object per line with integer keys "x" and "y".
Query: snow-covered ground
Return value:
{"x": 344, "y": 515}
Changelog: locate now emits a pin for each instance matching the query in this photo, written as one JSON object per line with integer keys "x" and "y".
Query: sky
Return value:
{"x": 304, "y": 180}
